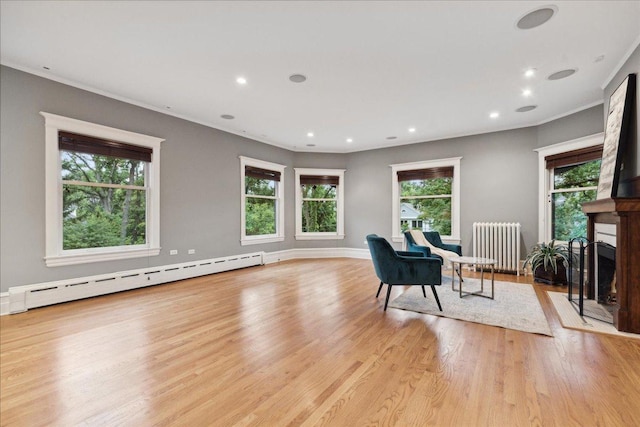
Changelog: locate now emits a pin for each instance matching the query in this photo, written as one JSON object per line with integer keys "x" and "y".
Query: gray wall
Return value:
{"x": 583, "y": 123}
{"x": 200, "y": 180}
{"x": 498, "y": 183}
{"x": 200, "y": 206}
{"x": 631, "y": 153}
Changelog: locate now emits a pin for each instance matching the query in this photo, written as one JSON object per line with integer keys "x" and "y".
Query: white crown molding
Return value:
{"x": 621, "y": 63}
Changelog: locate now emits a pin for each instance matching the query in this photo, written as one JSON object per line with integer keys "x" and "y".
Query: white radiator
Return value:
{"x": 22, "y": 298}
{"x": 499, "y": 241}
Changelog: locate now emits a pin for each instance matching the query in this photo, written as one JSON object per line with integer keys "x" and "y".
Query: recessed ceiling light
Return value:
{"x": 530, "y": 72}
{"x": 412, "y": 130}
{"x": 526, "y": 108}
{"x": 349, "y": 140}
{"x": 494, "y": 115}
{"x": 526, "y": 92}
{"x": 391, "y": 137}
{"x": 227, "y": 116}
{"x": 241, "y": 81}
{"x": 311, "y": 145}
{"x": 310, "y": 134}
{"x": 297, "y": 78}
{"x": 536, "y": 17}
{"x": 562, "y": 74}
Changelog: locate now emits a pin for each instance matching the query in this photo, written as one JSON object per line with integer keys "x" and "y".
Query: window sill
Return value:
{"x": 85, "y": 258}
{"x": 445, "y": 239}
{"x": 260, "y": 240}
{"x": 319, "y": 236}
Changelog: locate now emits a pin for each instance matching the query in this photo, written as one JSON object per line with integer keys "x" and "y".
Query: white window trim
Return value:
{"x": 545, "y": 178}
{"x": 267, "y": 238}
{"x": 454, "y": 162}
{"x": 339, "y": 234}
{"x": 55, "y": 255}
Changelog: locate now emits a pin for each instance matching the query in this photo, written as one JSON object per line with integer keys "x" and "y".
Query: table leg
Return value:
{"x": 453, "y": 269}
{"x": 492, "y": 282}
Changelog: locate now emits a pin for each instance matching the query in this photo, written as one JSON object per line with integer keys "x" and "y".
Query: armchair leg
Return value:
{"x": 423, "y": 291}
{"x": 433, "y": 288}
{"x": 379, "y": 288}
{"x": 387, "y": 300}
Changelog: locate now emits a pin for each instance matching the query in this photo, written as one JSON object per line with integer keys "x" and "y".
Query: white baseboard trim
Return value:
{"x": 22, "y": 298}
{"x": 302, "y": 253}
{"x": 4, "y": 303}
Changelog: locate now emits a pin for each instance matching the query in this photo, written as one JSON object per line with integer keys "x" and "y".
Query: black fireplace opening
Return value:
{"x": 606, "y": 275}
{"x": 601, "y": 307}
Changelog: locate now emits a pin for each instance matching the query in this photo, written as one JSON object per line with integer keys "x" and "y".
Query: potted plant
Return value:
{"x": 549, "y": 263}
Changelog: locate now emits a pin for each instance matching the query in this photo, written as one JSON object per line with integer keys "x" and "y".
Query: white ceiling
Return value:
{"x": 374, "y": 69}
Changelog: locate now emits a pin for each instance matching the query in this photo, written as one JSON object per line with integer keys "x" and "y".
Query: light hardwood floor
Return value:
{"x": 301, "y": 343}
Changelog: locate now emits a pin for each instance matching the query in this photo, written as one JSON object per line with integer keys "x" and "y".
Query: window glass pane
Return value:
{"x": 98, "y": 217}
{"x": 101, "y": 169}
{"x": 260, "y": 216}
{"x": 582, "y": 175}
{"x": 568, "y": 220}
{"x": 259, "y": 187}
{"x": 319, "y": 217}
{"x": 319, "y": 191}
{"x": 435, "y": 214}
{"x": 426, "y": 187}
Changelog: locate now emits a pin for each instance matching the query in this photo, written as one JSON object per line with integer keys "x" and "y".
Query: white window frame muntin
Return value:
{"x": 339, "y": 234}
{"x": 54, "y": 254}
{"x": 454, "y": 162}
{"x": 545, "y": 177}
{"x": 279, "y": 198}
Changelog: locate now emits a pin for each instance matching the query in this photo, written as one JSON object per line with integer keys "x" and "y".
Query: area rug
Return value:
{"x": 570, "y": 318}
{"x": 515, "y": 306}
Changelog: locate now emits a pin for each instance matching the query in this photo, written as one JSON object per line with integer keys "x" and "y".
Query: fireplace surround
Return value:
{"x": 624, "y": 215}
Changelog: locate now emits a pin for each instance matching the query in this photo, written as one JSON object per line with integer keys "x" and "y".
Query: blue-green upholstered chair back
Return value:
{"x": 403, "y": 268}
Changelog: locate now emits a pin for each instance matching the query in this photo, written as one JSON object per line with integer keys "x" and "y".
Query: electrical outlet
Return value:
{"x": 173, "y": 252}
{"x": 192, "y": 251}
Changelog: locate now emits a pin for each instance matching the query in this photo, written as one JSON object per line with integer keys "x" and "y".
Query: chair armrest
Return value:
{"x": 417, "y": 248}
{"x": 411, "y": 254}
{"x": 453, "y": 248}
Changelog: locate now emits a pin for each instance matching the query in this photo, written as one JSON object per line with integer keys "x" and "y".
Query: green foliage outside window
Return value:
{"x": 434, "y": 211}
{"x": 567, "y": 217}
{"x": 319, "y": 208}
{"x": 98, "y": 216}
{"x": 260, "y": 212}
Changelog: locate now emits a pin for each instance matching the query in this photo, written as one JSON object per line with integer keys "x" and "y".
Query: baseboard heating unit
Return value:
{"x": 22, "y": 298}
{"x": 499, "y": 241}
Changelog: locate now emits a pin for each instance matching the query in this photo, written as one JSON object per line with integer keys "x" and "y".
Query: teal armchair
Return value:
{"x": 432, "y": 237}
{"x": 403, "y": 268}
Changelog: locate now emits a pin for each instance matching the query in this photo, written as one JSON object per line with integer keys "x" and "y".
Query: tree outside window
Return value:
{"x": 572, "y": 186}
{"x": 426, "y": 194}
{"x": 262, "y": 200}
{"x": 260, "y": 206}
{"x": 103, "y": 201}
{"x": 319, "y": 203}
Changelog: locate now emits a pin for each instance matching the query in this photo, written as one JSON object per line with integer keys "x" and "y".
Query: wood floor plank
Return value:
{"x": 301, "y": 342}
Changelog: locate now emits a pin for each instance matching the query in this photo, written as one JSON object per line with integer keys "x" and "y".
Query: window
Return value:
{"x": 568, "y": 177}
{"x": 102, "y": 193}
{"x": 319, "y": 204}
{"x": 262, "y": 201}
{"x": 573, "y": 181}
{"x": 426, "y": 195}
